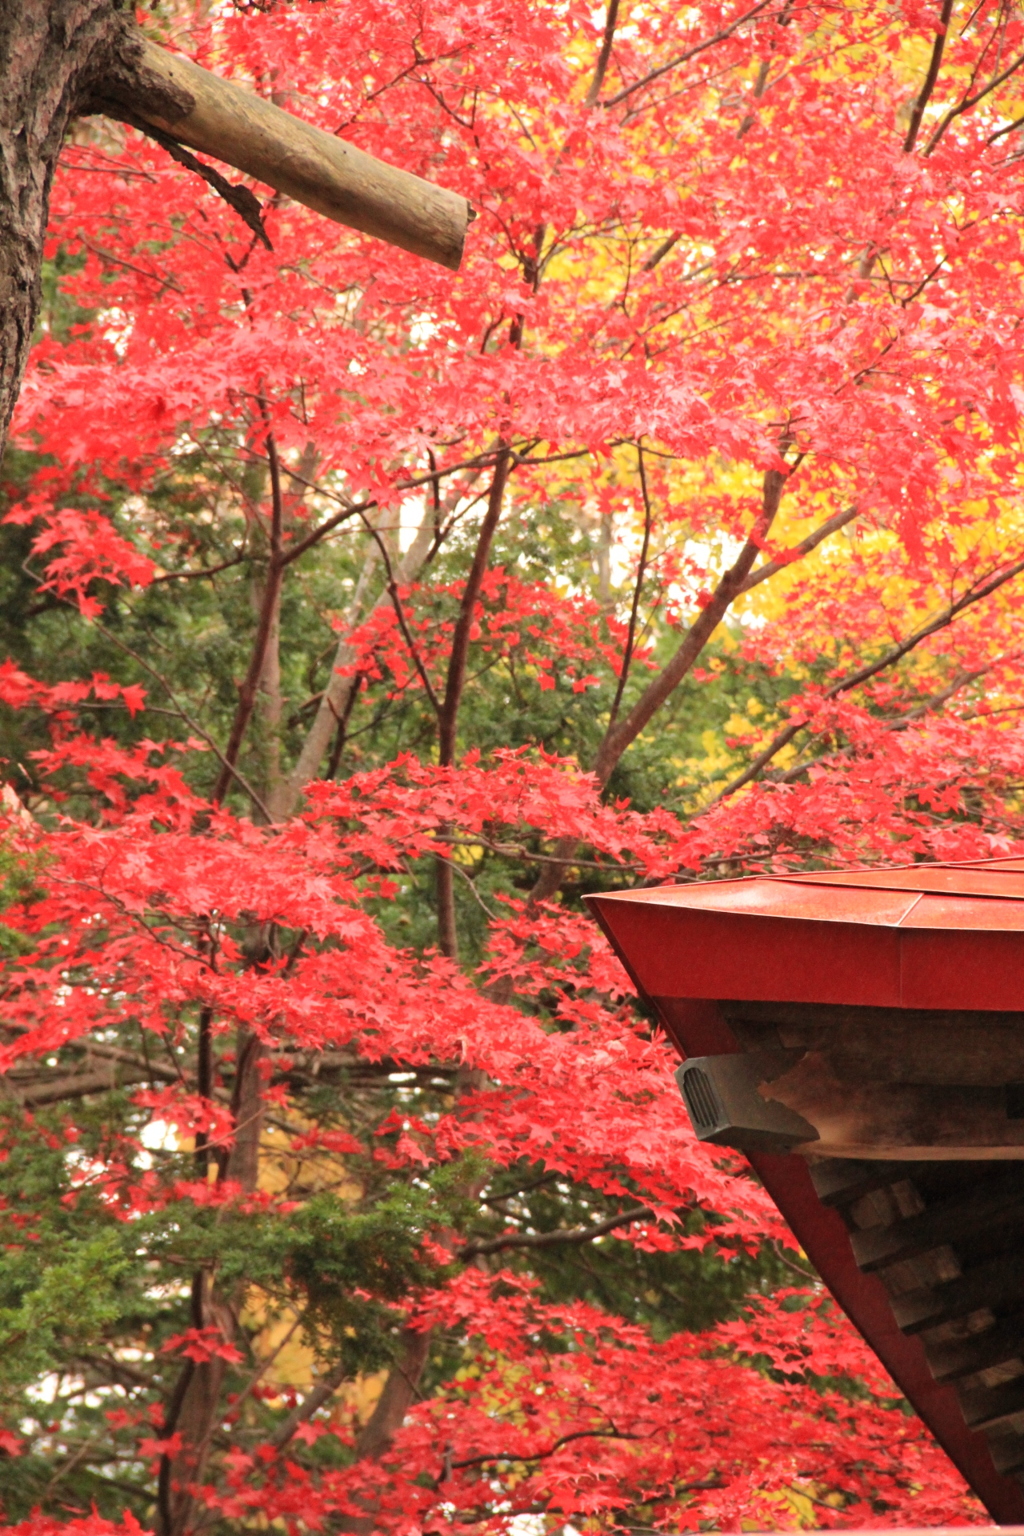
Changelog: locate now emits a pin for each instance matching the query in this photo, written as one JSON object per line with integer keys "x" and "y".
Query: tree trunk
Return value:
{"x": 60, "y": 59}
{"x": 198, "y": 1406}
{"x": 56, "y": 58}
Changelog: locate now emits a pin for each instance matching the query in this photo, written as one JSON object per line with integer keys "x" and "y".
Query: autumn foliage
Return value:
{"x": 358, "y": 617}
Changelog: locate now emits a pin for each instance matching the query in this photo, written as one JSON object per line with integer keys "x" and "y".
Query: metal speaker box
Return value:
{"x": 722, "y": 1099}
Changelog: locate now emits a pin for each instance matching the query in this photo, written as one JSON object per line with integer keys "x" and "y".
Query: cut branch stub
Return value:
{"x": 305, "y": 163}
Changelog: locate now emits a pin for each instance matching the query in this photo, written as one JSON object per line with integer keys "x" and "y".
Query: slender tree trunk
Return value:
{"x": 398, "y": 1395}
{"x": 267, "y": 625}
{"x": 622, "y": 733}
{"x": 270, "y": 706}
{"x": 197, "y": 1407}
{"x": 334, "y": 702}
{"x": 448, "y": 724}
{"x": 401, "y": 1388}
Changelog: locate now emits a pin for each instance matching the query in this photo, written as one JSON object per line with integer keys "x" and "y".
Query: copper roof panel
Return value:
{"x": 956, "y": 881}
{"x": 784, "y": 898}
{"x": 935, "y": 910}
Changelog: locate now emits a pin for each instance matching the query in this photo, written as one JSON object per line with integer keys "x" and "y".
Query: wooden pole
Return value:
{"x": 325, "y": 173}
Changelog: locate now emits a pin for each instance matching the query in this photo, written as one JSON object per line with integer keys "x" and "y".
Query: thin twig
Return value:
{"x": 212, "y": 570}
{"x": 264, "y": 629}
{"x": 554, "y": 1239}
{"x": 180, "y": 711}
{"x": 449, "y": 712}
{"x": 971, "y": 101}
{"x": 454, "y": 865}
{"x": 619, "y": 736}
{"x": 318, "y": 1395}
{"x": 604, "y": 56}
{"x": 790, "y": 556}
{"x": 638, "y": 586}
{"x": 396, "y": 603}
{"x": 691, "y": 53}
{"x": 863, "y": 674}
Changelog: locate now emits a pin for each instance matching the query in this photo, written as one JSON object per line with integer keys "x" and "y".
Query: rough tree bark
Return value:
{"x": 61, "y": 59}
{"x": 57, "y": 57}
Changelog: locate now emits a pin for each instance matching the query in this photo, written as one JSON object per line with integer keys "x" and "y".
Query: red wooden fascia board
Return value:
{"x": 678, "y": 950}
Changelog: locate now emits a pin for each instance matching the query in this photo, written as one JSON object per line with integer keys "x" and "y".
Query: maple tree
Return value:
{"x": 358, "y": 615}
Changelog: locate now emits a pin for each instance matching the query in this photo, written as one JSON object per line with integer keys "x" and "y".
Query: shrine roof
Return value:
{"x": 943, "y": 1308}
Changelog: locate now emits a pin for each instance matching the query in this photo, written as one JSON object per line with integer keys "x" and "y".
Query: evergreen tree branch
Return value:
{"x": 179, "y": 709}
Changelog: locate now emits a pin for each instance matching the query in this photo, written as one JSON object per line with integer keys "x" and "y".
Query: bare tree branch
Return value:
{"x": 971, "y": 101}
{"x": 245, "y": 203}
{"x": 337, "y": 179}
{"x": 691, "y": 53}
{"x": 818, "y": 536}
{"x": 339, "y": 693}
{"x": 604, "y": 56}
{"x": 448, "y": 721}
{"x": 938, "y": 48}
{"x": 179, "y": 709}
{"x": 619, "y": 735}
{"x": 576, "y": 1434}
{"x": 973, "y": 595}
{"x": 901, "y": 723}
{"x": 638, "y": 586}
{"x": 448, "y": 715}
{"x": 267, "y": 619}
{"x": 314, "y": 1399}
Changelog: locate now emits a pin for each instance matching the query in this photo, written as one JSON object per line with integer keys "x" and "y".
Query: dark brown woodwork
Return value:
{"x": 977, "y": 1351}
{"x": 839, "y": 1180}
{"x": 990, "y": 1407}
{"x": 995, "y": 1284}
{"x": 890, "y": 1120}
{"x": 1006, "y": 1448}
{"x": 947, "y": 1239}
{"x": 914, "y": 1046}
{"x": 895, "y": 1083}
{"x": 974, "y": 1210}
